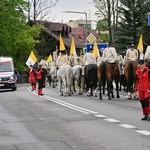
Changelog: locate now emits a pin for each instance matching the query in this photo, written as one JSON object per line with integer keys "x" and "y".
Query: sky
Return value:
{"x": 73, "y": 5}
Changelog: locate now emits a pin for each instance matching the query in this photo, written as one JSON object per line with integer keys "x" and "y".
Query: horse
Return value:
{"x": 77, "y": 72}
{"x": 65, "y": 77}
{"x": 52, "y": 74}
{"x": 130, "y": 76}
{"x": 107, "y": 72}
{"x": 91, "y": 79}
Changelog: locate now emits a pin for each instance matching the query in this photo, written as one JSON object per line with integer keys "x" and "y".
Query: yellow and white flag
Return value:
{"x": 49, "y": 59}
{"x": 61, "y": 46}
{"x": 140, "y": 44}
{"x": 73, "y": 50}
{"x": 31, "y": 60}
{"x": 95, "y": 50}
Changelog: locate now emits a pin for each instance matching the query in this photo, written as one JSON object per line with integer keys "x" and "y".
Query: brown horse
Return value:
{"x": 108, "y": 72}
{"x": 130, "y": 76}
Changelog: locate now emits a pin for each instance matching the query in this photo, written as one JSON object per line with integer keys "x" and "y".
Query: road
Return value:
{"x": 77, "y": 122}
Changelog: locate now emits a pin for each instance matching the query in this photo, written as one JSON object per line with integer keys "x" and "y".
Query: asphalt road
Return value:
{"x": 77, "y": 122}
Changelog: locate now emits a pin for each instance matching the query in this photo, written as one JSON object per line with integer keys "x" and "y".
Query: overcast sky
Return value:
{"x": 72, "y": 5}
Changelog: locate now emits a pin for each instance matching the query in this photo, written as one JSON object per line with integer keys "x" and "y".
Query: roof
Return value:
{"x": 51, "y": 28}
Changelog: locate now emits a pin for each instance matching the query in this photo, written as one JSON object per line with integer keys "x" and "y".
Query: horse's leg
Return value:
{"x": 108, "y": 88}
{"x": 129, "y": 90}
{"x": 111, "y": 90}
{"x": 117, "y": 88}
{"x": 100, "y": 90}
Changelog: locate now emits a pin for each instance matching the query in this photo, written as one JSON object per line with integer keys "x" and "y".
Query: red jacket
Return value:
{"x": 143, "y": 79}
{"x": 39, "y": 73}
{"x": 32, "y": 75}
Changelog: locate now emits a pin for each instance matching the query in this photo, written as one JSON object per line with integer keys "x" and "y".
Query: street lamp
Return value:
{"x": 78, "y": 12}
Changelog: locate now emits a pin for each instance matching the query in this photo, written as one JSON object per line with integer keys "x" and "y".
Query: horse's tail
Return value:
{"x": 103, "y": 73}
{"x": 94, "y": 76}
{"x": 130, "y": 73}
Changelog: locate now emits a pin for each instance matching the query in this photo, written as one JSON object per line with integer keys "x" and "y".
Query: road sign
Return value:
{"x": 148, "y": 19}
{"x": 100, "y": 45}
{"x": 91, "y": 38}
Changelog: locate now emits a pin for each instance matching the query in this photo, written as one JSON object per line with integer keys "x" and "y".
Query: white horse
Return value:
{"x": 52, "y": 74}
{"x": 65, "y": 77}
{"x": 77, "y": 72}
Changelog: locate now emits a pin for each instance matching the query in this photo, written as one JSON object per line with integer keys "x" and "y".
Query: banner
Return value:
{"x": 95, "y": 50}
{"x": 49, "y": 59}
{"x": 61, "y": 46}
{"x": 31, "y": 60}
{"x": 140, "y": 44}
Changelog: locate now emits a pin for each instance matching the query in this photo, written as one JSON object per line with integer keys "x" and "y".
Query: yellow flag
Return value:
{"x": 62, "y": 46}
{"x": 31, "y": 60}
{"x": 95, "y": 50}
{"x": 72, "y": 48}
{"x": 140, "y": 44}
{"x": 49, "y": 59}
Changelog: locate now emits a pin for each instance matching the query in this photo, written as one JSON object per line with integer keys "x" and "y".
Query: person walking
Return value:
{"x": 143, "y": 88}
{"x": 32, "y": 78}
{"x": 40, "y": 79}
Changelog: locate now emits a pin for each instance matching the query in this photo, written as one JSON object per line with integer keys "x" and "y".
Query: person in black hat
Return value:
{"x": 131, "y": 54}
{"x": 62, "y": 59}
{"x": 89, "y": 58}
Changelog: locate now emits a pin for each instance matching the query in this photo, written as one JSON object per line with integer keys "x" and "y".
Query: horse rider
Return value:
{"x": 89, "y": 58}
{"x": 131, "y": 54}
{"x": 72, "y": 60}
{"x": 120, "y": 62}
{"x": 147, "y": 53}
{"x": 99, "y": 58}
{"x": 110, "y": 54}
{"x": 62, "y": 59}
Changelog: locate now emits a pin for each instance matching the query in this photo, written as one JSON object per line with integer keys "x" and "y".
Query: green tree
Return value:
{"x": 17, "y": 38}
{"x": 133, "y": 20}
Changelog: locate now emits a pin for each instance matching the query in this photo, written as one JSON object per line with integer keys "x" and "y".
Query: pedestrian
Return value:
{"x": 143, "y": 88}
{"x": 32, "y": 78}
{"x": 147, "y": 53}
{"x": 40, "y": 79}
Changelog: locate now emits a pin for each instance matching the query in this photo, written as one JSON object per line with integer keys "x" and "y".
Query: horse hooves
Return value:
{"x": 95, "y": 95}
{"x": 100, "y": 98}
{"x": 112, "y": 96}
{"x": 109, "y": 98}
{"x": 69, "y": 94}
{"x": 88, "y": 95}
{"x": 118, "y": 96}
{"x": 61, "y": 94}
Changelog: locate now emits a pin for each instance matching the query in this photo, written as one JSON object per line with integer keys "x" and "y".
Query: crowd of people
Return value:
{"x": 110, "y": 55}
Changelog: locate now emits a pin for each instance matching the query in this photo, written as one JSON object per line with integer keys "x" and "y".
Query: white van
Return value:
{"x": 8, "y": 78}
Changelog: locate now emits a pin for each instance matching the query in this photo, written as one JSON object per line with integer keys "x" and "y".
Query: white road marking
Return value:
{"x": 143, "y": 132}
{"x": 100, "y": 116}
{"x": 128, "y": 126}
{"x": 112, "y": 120}
{"x": 87, "y": 111}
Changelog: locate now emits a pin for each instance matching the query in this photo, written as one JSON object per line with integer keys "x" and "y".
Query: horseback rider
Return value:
{"x": 62, "y": 59}
{"x": 89, "y": 58}
{"x": 131, "y": 54}
{"x": 110, "y": 54}
{"x": 99, "y": 58}
{"x": 147, "y": 53}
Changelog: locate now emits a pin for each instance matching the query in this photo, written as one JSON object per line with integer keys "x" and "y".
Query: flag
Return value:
{"x": 73, "y": 50}
{"x": 49, "y": 59}
{"x": 140, "y": 44}
{"x": 95, "y": 50}
{"x": 31, "y": 60}
{"x": 62, "y": 46}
